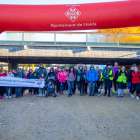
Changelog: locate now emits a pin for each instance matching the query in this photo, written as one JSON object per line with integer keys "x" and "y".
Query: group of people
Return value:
{"x": 58, "y": 80}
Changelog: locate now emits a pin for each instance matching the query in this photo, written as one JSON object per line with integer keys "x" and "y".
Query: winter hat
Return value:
{"x": 108, "y": 64}
{"x": 72, "y": 66}
{"x": 134, "y": 65}
{"x": 20, "y": 69}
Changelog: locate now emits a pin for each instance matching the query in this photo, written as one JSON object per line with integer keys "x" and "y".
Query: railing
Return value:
{"x": 70, "y": 39}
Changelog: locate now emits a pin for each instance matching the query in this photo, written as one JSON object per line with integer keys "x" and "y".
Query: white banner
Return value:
{"x": 21, "y": 82}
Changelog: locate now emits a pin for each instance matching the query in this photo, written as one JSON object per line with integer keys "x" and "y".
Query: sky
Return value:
{"x": 52, "y": 1}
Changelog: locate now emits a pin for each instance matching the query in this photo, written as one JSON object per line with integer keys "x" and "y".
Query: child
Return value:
{"x": 10, "y": 74}
{"x": 50, "y": 89}
{"x": 122, "y": 81}
{"x": 42, "y": 89}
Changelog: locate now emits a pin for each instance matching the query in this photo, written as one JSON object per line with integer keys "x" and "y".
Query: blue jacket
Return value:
{"x": 29, "y": 75}
{"x": 92, "y": 76}
{"x": 34, "y": 75}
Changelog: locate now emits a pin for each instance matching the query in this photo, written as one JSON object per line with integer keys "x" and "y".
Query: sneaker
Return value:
{"x": 40, "y": 95}
{"x": 6, "y": 97}
{"x": 37, "y": 95}
{"x": 1, "y": 97}
{"x": 99, "y": 95}
{"x": 89, "y": 94}
{"x": 132, "y": 95}
{"x": 29, "y": 92}
{"x": 137, "y": 97}
{"x": 104, "y": 94}
{"x": 118, "y": 96}
{"x": 9, "y": 97}
{"x": 34, "y": 95}
{"x": 43, "y": 94}
{"x": 121, "y": 96}
{"x": 69, "y": 95}
{"x": 115, "y": 92}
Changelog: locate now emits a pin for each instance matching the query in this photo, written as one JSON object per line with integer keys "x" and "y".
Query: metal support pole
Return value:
{"x": 54, "y": 38}
{"x": 118, "y": 40}
{"x": 23, "y": 38}
{"x": 86, "y": 39}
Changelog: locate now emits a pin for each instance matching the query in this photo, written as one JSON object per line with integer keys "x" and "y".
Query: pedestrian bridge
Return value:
{"x": 69, "y": 47}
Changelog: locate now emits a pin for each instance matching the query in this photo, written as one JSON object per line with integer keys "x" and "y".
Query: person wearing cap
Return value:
{"x": 122, "y": 80}
{"x": 114, "y": 78}
{"x": 92, "y": 77}
{"x": 129, "y": 73}
{"x": 20, "y": 74}
{"x": 108, "y": 78}
{"x": 135, "y": 83}
{"x": 62, "y": 79}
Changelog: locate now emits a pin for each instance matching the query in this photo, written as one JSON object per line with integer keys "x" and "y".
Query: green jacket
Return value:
{"x": 108, "y": 73}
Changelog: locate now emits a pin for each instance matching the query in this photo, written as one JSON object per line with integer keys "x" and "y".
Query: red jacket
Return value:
{"x": 135, "y": 77}
{"x": 3, "y": 74}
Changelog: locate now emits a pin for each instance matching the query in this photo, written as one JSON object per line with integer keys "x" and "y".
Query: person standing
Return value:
{"x": 34, "y": 76}
{"x": 135, "y": 82}
{"x": 57, "y": 81}
{"x": 97, "y": 82}
{"x": 130, "y": 77}
{"x": 2, "y": 89}
{"x": 122, "y": 81}
{"x": 81, "y": 79}
{"x": 108, "y": 78}
{"x": 114, "y": 78}
{"x": 66, "y": 84}
{"x": 20, "y": 74}
{"x": 71, "y": 76}
{"x": 75, "y": 81}
{"x": 62, "y": 79}
{"x": 92, "y": 77}
{"x": 10, "y": 74}
{"x": 29, "y": 76}
{"x": 86, "y": 82}
{"x": 40, "y": 71}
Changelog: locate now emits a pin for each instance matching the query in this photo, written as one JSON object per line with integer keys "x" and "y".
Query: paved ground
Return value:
{"x": 70, "y": 118}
